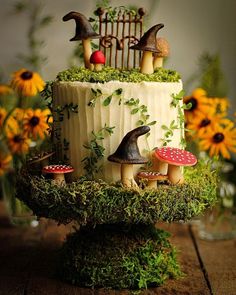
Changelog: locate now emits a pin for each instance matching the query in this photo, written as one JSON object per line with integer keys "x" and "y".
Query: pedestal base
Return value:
{"x": 119, "y": 256}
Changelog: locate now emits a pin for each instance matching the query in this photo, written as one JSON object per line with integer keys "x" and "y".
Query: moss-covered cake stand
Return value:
{"x": 118, "y": 245}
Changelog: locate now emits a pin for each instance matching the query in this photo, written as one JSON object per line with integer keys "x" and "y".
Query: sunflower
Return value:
{"x": 5, "y": 161}
{"x": 219, "y": 141}
{"x": 3, "y": 114}
{"x": 204, "y": 121}
{"x": 5, "y": 89}
{"x": 10, "y": 123}
{"x": 220, "y": 104}
{"x": 18, "y": 142}
{"x": 36, "y": 122}
{"x": 19, "y": 114}
{"x": 27, "y": 83}
{"x": 199, "y": 103}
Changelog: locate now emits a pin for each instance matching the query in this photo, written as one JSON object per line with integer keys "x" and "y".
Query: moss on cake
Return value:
{"x": 110, "y": 74}
{"x": 97, "y": 202}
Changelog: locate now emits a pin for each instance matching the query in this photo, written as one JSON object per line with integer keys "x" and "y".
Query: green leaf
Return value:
{"x": 94, "y": 91}
{"x": 152, "y": 123}
{"x": 179, "y": 95}
{"x": 134, "y": 111}
{"x": 164, "y": 127}
{"x": 91, "y": 103}
{"x": 187, "y": 106}
{"x": 130, "y": 102}
{"x": 20, "y": 6}
{"x": 46, "y": 20}
{"x": 140, "y": 123}
{"x": 118, "y": 91}
{"x": 107, "y": 101}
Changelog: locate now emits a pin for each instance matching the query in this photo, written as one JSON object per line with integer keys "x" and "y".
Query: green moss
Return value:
{"x": 97, "y": 202}
{"x": 110, "y": 74}
{"x": 119, "y": 257}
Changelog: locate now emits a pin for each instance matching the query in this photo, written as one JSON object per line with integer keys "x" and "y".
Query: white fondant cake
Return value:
{"x": 78, "y": 128}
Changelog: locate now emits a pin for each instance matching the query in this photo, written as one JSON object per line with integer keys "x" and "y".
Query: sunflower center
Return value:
{"x": 204, "y": 123}
{"x": 218, "y": 137}
{"x": 17, "y": 138}
{"x": 27, "y": 75}
{"x": 34, "y": 121}
{"x": 193, "y": 102}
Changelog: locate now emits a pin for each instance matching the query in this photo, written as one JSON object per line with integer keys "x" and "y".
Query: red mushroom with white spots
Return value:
{"x": 152, "y": 177}
{"x": 58, "y": 172}
{"x": 98, "y": 59}
{"x": 175, "y": 158}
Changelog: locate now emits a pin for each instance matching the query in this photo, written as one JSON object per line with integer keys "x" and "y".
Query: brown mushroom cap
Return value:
{"x": 163, "y": 47}
{"x": 148, "y": 40}
{"x": 152, "y": 175}
{"x": 83, "y": 29}
{"x": 128, "y": 151}
{"x": 39, "y": 157}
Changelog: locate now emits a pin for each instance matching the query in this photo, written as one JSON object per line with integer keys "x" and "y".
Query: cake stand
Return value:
{"x": 117, "y": 243}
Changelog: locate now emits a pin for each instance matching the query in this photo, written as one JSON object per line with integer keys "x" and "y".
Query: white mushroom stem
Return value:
{"x": 59, "y": 178}
{"x": 152, "y": 183}
{"x": 158, "y": 62}
{"x": 127, "y": 175}
{"x": 97, "y": 67}
{"x": 174, "y": 174}
{"x": 147, "y": 63}
{"x": 87, "y": 53}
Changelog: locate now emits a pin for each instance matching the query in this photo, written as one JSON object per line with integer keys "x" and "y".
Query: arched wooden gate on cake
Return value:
{"x": 120, "y": 31}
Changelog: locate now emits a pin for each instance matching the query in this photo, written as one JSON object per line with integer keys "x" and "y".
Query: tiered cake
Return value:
{"x": 119, "y": 99}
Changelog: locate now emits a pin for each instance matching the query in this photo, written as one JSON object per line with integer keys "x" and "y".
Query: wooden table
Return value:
{"x": 27, "y": 263}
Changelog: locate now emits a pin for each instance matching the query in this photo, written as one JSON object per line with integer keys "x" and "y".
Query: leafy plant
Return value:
{"x": 96, "y": 152}
{"x": 37, "y": 21}
{"x": 68, "y": 108}
{"x": 176, "y": 102}
{"x": 46, "y": 94}
{"x": 169, "y": 132}
{"x": 97, "y": 94}
{"x": 210, "y": 76}
{"x": 141, "y": 109}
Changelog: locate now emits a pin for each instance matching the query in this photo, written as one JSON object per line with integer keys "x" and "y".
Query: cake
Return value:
{"x": 102, "y": 107}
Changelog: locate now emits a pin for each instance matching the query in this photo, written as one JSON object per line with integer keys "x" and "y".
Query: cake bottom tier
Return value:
{"x": 119, "y": 256}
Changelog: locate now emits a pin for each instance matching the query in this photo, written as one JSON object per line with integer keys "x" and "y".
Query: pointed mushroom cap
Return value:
{"x": 128, "y": 151}
{"x": 83, "y": 28}
{"x": 175, "y": 156}
{"x": 148, "y": 40}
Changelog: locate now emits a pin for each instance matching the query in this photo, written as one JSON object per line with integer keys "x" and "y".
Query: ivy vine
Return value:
{"x": 96, "y": 152}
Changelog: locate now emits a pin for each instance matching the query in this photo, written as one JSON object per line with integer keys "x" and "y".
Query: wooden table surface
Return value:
{"x": 27, "y": 263}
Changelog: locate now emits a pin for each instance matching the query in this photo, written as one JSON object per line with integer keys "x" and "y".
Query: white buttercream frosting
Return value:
{"x": 78, "y": 128}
